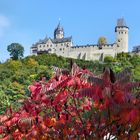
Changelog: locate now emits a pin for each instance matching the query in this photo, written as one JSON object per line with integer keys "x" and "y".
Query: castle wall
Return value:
{"x": 64, "y": 47}
{"x": 92, "y": 52}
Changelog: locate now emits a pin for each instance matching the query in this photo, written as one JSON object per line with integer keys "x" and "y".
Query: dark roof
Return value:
{"x": 58, "y": 29}
{"x": 121, "y": 23}
{"x": 136, "y": 48}
{"x": 62, "y": 40}
{"x": 67, "y": 39}
{"x": 43, "y": 41}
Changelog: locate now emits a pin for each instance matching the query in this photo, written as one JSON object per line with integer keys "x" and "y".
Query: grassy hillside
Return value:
{"x": 16, "y": 76}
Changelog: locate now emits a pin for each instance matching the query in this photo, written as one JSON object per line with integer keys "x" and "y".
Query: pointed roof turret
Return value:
{"x": 121, "y": 23}
{"x": 59, "y": 31}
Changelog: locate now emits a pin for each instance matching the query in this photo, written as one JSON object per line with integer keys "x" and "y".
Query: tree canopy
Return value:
{"x": 102, "y": 41}
{"x": 16, "y": 50}
{"x": 108, "y": 59}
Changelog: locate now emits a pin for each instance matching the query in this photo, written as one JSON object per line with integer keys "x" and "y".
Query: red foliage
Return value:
{"x": 77, "y": 105}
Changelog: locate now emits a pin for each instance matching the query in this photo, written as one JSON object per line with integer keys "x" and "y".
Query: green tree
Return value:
{"x": 14, "y": 65}
{"x": 136, "y": 73}
{"x": 135, "y": 60}
{"x": 123, "y": 56}
{"x": 102, "y": 41}
{"x": 16, "y": 50}
{"x": 108, "y": 59}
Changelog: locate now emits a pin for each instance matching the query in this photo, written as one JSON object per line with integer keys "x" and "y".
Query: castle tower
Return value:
{"x": 122, "y": 35}
{"x": 59, "y": 32}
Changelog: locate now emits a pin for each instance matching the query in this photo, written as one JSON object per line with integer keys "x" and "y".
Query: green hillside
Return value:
{"x": 17, "y": 75}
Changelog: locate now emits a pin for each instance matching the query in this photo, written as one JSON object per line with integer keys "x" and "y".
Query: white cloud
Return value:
{"x": 4, "y": 24}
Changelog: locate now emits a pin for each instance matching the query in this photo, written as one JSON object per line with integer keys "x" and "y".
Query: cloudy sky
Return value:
{"x": 27, "y": 21}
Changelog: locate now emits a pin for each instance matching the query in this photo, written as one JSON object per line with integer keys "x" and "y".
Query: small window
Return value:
{"x": 122, "y": 32}
{"x": 40, "y": 46}
{"x": 60, "y": 49}
{"x": 63, "y": 48}
{"x": 43, "y": 45}
{"x": 61, "y": 44}
{"x": 34, "y": 51}
{"x": 47, "y": 45}
{"x": 51, "y": 45}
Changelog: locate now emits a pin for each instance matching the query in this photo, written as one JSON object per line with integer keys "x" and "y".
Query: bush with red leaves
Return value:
{"x": 76, "y": 105}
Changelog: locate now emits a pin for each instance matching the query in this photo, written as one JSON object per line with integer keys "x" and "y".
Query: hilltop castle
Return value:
{"x": 63, "y": 46}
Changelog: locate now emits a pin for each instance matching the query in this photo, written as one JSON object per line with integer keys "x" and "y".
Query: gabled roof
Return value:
{"x": 43, "y": 41}
{"x": 67, "y": 39}
{"x": 62, "y": 40}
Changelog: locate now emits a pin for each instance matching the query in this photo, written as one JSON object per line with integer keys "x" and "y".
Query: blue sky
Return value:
{"x": 27, "y": 21}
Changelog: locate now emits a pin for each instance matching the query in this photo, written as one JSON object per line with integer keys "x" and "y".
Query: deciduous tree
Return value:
{"x": 102, "y": 41}
{"x": 16, "y": 50}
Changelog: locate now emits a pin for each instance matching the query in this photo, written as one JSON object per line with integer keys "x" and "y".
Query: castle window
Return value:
{"x": 51, "y": 45}
{"x": 61, "y": 44}
{"x": 40, "y": 46}
{"x": 47, "y": 45}
{"x": 122, "y": 32}
{"x": 34, "y": 51}
{"x": 63, "y": 48}
{"x": 56, "y": 45}
{"x": 60, "y": 49}
{"x": 43, "y": 45}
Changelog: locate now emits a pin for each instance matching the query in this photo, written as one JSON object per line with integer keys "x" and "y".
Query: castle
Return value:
{"x": 63, "y": 46}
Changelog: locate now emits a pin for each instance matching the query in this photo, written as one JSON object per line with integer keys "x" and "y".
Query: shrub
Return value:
{"x": 76, "y": 105}
{"x": 108, "y": 59}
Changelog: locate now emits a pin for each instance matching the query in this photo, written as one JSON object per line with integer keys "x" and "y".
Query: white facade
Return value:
{"x": 64, "y": 47}
{"x": 122, "y": 35}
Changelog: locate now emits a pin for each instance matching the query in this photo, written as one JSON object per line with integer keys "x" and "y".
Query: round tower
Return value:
{"x": 59, "y": 32}
{"x": 122, "y": 36}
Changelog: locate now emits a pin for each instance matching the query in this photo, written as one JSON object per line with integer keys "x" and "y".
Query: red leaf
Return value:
{"x": 119, "y": 97}
{"x": 92, "y": 92}
{"x": 60, "y": 97}
{"x": 2, "y": 129}
{"x": 134, "y": 115}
